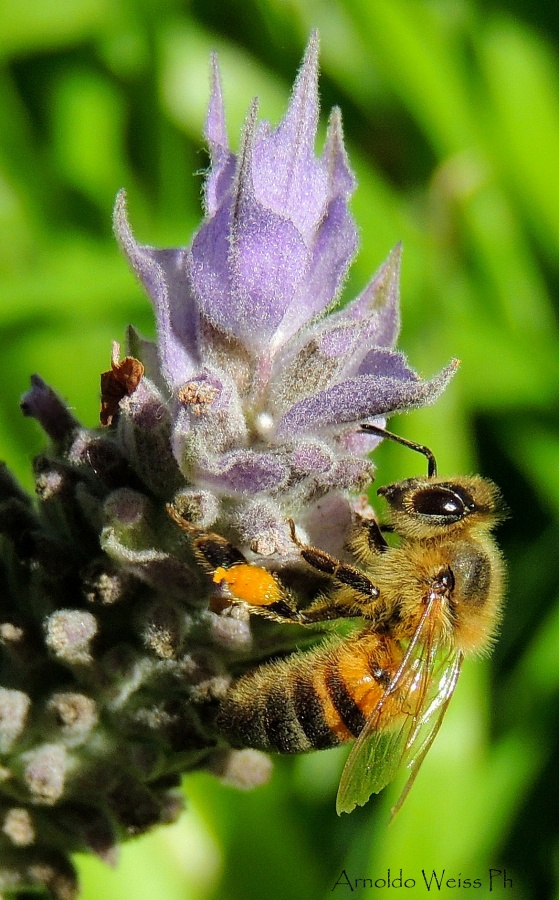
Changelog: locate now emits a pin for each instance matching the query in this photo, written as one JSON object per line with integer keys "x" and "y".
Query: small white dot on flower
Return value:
{"x": 264, "y": 425}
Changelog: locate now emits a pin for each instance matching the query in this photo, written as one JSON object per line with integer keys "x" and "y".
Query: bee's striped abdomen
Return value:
{"x": 309, "y": 710}
{"x": 312, "y": 700}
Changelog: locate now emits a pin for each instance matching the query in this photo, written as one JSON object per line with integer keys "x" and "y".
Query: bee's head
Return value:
{"x": 429, "y": 507}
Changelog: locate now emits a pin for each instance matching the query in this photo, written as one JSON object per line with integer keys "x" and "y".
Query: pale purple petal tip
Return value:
{"x": 221, "y": 174}
{"x": 287, "y": 176}
{"x": 280, "y": 238}
{"x": 215, "y": 130}
{"x": 335, "y": 157}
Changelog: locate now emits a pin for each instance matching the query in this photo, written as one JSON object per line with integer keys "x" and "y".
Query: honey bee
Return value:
{"x": 423, "y": 602}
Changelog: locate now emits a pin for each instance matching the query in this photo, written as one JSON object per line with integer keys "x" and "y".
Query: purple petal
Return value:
{"x": 333, "y": 250}
{"x": 378, "y": 304}
{"x": 208, "y": 416}
{"x": 209, "y": 269}
{"x": 309, "y": 458}
{"x": 246, "y": 262}
{"x": 162, "y": 272}
{"x": 386, "y": 363}
{"x": 268, "y": 260}
{"x": 215, "y": 130}
{"x": 244, "y": 472}
{"x": 361, "y": 398}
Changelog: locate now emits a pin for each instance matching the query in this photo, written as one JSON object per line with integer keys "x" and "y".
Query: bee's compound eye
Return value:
{"x": 442, "y": 502}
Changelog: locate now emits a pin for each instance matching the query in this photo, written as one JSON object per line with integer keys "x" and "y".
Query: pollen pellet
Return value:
{"x": 252, "y": 584}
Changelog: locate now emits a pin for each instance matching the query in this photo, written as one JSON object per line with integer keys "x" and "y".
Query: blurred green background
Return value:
{"x": 451, "y": 112}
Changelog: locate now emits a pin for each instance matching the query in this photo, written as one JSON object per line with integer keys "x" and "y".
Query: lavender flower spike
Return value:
{"x": 242, "y": 309}
{"x": 116, "y": 643}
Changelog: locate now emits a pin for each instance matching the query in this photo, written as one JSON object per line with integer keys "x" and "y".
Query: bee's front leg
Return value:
{"x": 360, "y": 589}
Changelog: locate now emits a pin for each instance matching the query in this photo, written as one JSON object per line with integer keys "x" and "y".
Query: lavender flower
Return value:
{"x": 243, "y": 414}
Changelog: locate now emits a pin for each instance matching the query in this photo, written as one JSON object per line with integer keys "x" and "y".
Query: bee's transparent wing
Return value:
{"x": 406, "y": 719}
{"x": 428, "y": 727}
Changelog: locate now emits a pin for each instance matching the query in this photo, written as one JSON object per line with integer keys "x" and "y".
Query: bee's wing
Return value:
{"x": 406, "y": 719}
{"x": 429, "y": 725}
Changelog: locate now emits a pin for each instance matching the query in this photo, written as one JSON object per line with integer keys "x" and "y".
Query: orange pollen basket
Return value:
{"x": 249, "y": 583}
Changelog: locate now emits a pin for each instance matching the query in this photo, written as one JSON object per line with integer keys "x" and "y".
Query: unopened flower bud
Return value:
{"x": 18, "y": 826}
{"x": 242, "y": 769}
{"x": 42, "y": 403}
{"x": 44, "y": 772}
{"x": 162, "y": 629}
{"x": 14, "y": 708}
{"x": 74, "y": 714}
{"x": 69, "y": 633}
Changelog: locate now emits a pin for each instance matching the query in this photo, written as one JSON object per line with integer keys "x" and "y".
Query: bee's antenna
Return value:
{"x": 420, "y": 448}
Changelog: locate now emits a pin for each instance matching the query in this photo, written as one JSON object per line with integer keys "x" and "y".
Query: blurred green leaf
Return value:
{"x": 181, "y": 862}
{"x": 28, "y": 25}
{"x": 88, "y": 127}
{"x": 522, "y": 72}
